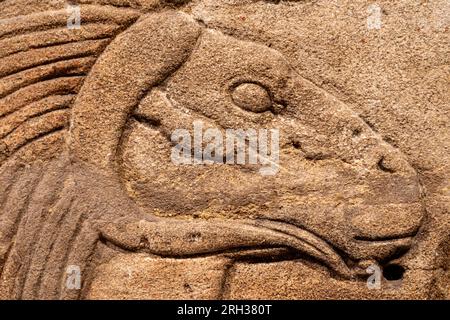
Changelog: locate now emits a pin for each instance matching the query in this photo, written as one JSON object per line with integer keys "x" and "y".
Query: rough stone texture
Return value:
{"x": 86, "y": 178}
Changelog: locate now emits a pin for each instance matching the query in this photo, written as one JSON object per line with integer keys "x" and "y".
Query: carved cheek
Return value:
{"x": 146, "y": 171}
{"x": 142, "y": 149}
{"x": 158, "y": 184}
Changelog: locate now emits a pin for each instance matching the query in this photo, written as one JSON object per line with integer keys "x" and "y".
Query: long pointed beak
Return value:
{"x": 172, "y": 238}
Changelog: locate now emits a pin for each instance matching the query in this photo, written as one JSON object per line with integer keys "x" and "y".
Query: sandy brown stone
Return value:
{"x": 133, "y": 277}
{"x": 94, "y": 207}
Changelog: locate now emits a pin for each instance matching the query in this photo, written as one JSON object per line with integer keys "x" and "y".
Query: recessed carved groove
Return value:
{"x": 73, "y": 67}
{"x": 25, "y": 122}
{"x": 382, "y": 167}
{"x": 151, "y": 123}
{"x": 50, "y": 20}
{"x": 57, "y": 37}
{"x": 14, "y": 143}
{"x": 390, "y": 238}
{"x": 39, "y": 57}
{"x": 38, "y": 91}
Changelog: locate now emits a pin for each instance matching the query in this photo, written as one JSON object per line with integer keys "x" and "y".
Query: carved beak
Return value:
{"x": 234, "y": 239}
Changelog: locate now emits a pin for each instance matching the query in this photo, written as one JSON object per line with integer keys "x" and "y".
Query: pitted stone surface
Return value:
{"x": 357, "y": 90}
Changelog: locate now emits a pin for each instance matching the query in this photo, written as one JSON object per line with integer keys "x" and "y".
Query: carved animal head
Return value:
{"x": 341, "y": 194}
{"x": 338, "y": 180}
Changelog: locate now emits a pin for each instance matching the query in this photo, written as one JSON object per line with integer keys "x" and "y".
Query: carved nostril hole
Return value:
{"x": 383, "y": 167}
{"x": 393, "y": 272}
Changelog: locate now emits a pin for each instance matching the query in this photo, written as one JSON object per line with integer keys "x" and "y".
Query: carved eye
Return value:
{"x": 252, "y": 97}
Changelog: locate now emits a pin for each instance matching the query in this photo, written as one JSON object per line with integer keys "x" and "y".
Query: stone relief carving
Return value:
{"x": 86, "y": 117}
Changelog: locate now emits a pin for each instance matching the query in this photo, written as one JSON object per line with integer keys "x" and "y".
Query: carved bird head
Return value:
{"x": 340, "y": 193}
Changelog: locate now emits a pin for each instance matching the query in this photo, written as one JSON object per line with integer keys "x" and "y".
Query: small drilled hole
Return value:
{"x": 297, "y": 145}
{"x": 393, "y": 272}
{"x": 187, "y": 287}
{"x": 356, "y": 132}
